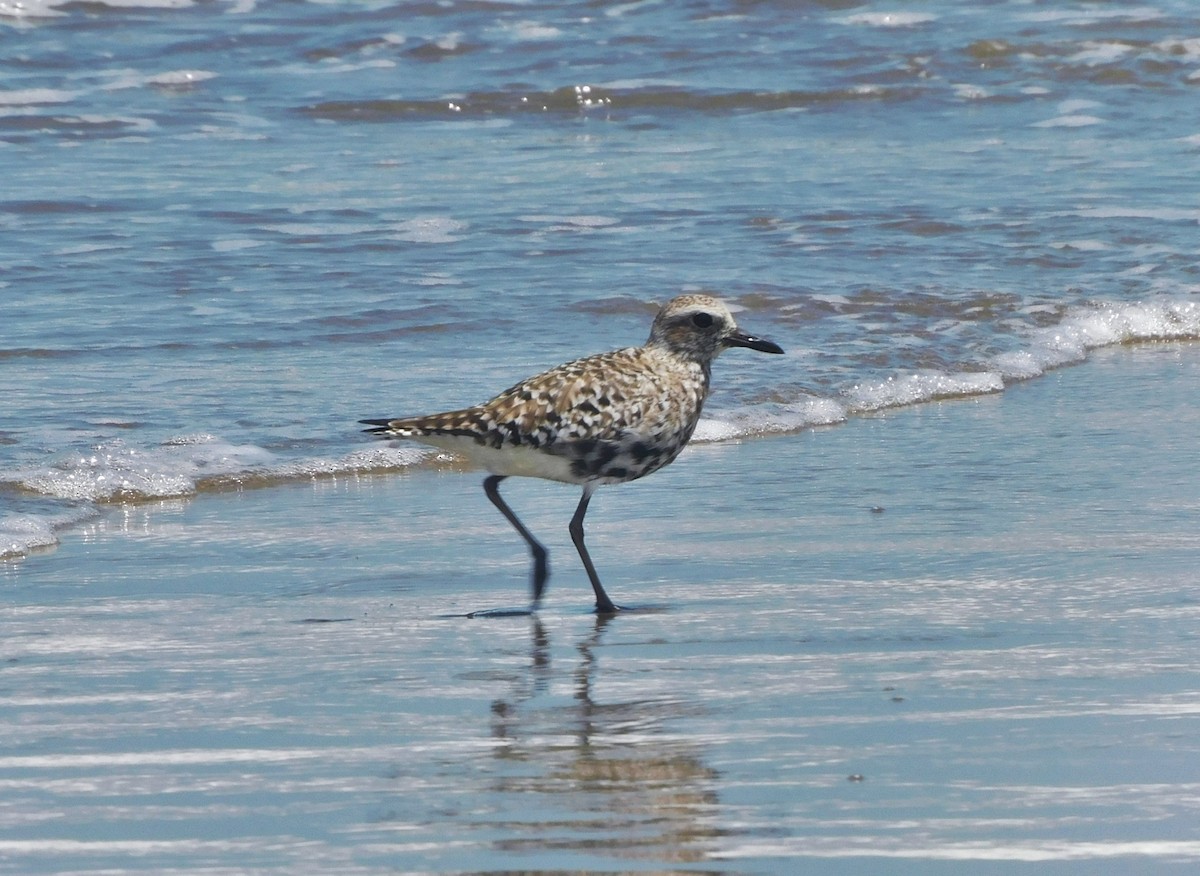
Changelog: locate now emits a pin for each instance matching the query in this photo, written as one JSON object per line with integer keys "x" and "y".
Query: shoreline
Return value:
{"x": 382, "y": 460}
{"x": 1005, "y": 654}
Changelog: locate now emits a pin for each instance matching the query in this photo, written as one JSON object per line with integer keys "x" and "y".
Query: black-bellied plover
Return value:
{"x": 605, "y": 419}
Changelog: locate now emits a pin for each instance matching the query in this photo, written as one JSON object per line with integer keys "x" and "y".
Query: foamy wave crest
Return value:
{"x": 1102, "y": 326}
{"x": 925, "y": 386}
{"x": 21, "y": 9}
{"x": 766, "y": 419}
{"x": 117, "y": 472}
{"x": 368, "y": 460}
{"x": 22, "y": 533}
{"x": 1064, "y": 344}
{"x": 114, "y": 471}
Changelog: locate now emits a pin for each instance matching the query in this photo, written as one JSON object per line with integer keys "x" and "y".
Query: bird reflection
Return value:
{"x": 578, "y": 773}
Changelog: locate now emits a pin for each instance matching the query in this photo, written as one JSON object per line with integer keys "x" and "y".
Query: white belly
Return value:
{"x": 510, "y": 461}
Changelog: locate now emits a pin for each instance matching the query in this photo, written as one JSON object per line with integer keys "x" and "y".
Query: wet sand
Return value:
{"x": 958, "y": 634}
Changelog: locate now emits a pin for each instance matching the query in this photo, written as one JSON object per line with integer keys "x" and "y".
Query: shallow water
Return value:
{"x": 933, "y": 636}
{"x": 915, "y": 548}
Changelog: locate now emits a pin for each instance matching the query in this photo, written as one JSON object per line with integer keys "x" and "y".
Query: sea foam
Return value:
{"x": 20, "y": 534}
{"x": 1100, "y": 326}
{"x": 117, "y": 472}
{"x": 1041, "y": 350}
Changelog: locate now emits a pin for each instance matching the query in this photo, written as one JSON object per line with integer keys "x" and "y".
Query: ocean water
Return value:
{"x": 229, "y": 230}
{"x": 232, "y": 229}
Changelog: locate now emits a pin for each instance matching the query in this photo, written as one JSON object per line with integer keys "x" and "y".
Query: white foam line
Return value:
{"x": 922, "y": 387}
{"x": 22, "y": 533}
{"x": 208, "y": 756}
{"x": 1066, "y": 343}
{"x": 1030, "y": 852}
{"x": 1071, "y": 340}
{"x": 137, "y": 846}
{"x": 164, "y": 758}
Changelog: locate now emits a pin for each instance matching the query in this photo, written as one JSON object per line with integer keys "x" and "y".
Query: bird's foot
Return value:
{"x": 612, "y": 609}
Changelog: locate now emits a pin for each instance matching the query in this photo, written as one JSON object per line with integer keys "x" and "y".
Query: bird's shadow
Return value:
{"x": 501, "y": 613}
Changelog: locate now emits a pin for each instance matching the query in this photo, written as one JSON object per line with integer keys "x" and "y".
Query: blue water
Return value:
{"x": 230, "y": 230}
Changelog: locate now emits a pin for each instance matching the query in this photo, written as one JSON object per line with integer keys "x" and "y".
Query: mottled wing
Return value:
{"x": 617, "y": 415}
{"x": 599, "y": 397}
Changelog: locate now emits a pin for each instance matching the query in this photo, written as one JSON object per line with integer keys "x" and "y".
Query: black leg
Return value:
{"x": 604, "y": 605}
{"x": 541, "y": 571}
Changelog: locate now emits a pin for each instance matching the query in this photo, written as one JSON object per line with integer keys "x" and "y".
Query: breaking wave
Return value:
{"x": 1042, "y": 350}
{"x": 115, "y": 472}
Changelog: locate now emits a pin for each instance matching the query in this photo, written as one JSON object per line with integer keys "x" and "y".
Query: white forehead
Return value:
{"x": 685, "y": 305}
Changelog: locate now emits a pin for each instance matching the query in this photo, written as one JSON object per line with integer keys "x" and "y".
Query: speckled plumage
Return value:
{"x": 603, "y": 419}
{"x": 607, "y": 418}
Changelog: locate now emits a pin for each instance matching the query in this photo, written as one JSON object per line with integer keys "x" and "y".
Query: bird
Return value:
{"x": 603, "y": 419}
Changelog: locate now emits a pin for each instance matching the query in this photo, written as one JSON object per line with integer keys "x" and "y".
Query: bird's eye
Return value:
{"x": 702, "y": 320}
